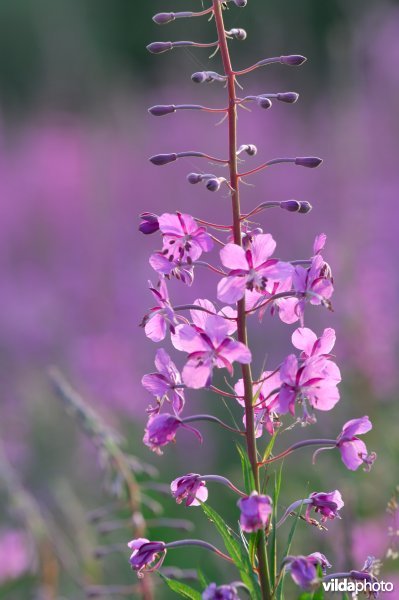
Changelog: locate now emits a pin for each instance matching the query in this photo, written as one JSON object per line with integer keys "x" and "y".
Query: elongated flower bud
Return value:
{"x": 162, "y": 109}
{"x": 207, "y": 77}
{"x": 293, "y": 60}
{"x": 163, "y": 159}
{"x": 163, "y": 18}
{"x": 159, "y": 47}
{"x": 288, "y": 97}
{"x": 296, "y": 206}
{"x": 311, "y": 162}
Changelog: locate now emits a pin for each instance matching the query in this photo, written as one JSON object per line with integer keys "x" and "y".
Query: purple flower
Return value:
{"x": 149, "y": 223}
{"x": 183, "y": 239}
{"x": 255, "y": 511}
{"x": 222, "y": 592}
{"x": 313, "y": 283}
{"x": 160, "y": 317}
{"x": 303, "y": 569}
{"x": 170, "y": 267}
{"x": 327, "y": 504}
{"x": 146, "y": 556}
{"x": 353, "y": 450}
{"x": 251, "y": 268}
{"x": 306, "y": 340}
{"x": 208, "y": 348}
{"x": 167, "y": 383}
{"x": 161, "y": 430}
{"x": 315, "y": 381}
{"x": 265, "y": 393}
{"x": 190, "y": 488}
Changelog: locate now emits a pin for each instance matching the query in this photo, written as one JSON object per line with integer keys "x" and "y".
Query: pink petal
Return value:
{"x": 155, "y": 329}
{"x": 200, "y": 317}
{"x": 304, "y": 339}
{"x": 288, "y": 370}
{"x": 319, "y": 243}
{"x": 155, "y": 384}
{"x": 236, "y": 351}
{"x": 196, "y": 375}
{"x": 188, "y": 340}
{"x": 201, "y": 495}
{"x": 350, "y": 453}
{"x": 262, "y": 248}
{"x": 288, "y": 312}
{"x": 231, "y": 289}
{"x": 356, "y": 427}
{"x": 327, "y": 341}
{"x": 233, "y": 257}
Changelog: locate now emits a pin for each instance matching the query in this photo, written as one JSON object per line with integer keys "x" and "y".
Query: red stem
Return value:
{"x": 241, "y": 311}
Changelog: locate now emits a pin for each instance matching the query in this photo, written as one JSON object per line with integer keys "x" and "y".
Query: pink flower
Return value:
{"x": 303, "y": 569}
{"x": 146, "y": 556}
{"x": 255, "y": 512}
{"x": 183, "y": 239}
{"x": 161, "y": 430}
{"x": 16, "y": 555}
{"x": 221, "y": 592}
{"x": 314, "y": 381}
{"x": 190, "y": 488}
{"x": 208, "y": 348}
{"x": 172, "y": 268}
{"x": 264, "y": 394}
{"x": 327, "y": 504}
{"x": 306, "y": 340}
{"x": 251, "y": 268}
{"x": 314, "y": 284}
{"x": 353, "y": 450}
{"x": 166, "y": 384}
{"x": 160, "y": 317}
{"x": 199, "y": 318}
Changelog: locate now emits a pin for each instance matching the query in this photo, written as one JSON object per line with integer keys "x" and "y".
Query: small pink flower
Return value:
{"x": 313, "y": 284}
{"x": 146, "y": 556}
{"x": 250, "y": 268}
{"x": 306, "y": 340}
{"x": 166, "y": 384}
{"x": 265, "y": 404}
{"x": 303, "y": 569}
{"x": 160, "y": 317}
{"x": 183, "y": 239}
{"x": 190, "y": 488}
{"x": 353, "y": 450}
{"x": 327, "y": 504}
{"x": 208, "y": 348}
{"x": 315, "y": 381}
{"x": 161, "y": 429}
{"x": 255, "y": 512}
{"x": 172, "y": 268}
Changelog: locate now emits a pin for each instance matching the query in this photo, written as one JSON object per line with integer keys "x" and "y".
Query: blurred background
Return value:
{"x": 75, "y": 136}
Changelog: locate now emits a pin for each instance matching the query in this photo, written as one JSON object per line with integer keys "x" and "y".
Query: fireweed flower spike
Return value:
{"x": 215, "y": 337}
{"x": 255, "y": 512}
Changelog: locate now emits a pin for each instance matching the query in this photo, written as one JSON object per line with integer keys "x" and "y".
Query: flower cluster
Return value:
{"x": 212, "y": 334}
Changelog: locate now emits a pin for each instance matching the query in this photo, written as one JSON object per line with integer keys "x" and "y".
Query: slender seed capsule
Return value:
{"x": 163, "y": 159}
{"x": 159, "y": 47}
{"x": 288, "y": 97}
{"x": 311, "y": 162}
{"x": 162, "y": 109}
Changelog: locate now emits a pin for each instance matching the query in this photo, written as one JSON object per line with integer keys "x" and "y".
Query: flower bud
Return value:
{"x": 264, "y": 102}
{"x": 207, "y": 76}
{"x": 163, "y": 18}
{"x": 310, "y": 162}
{"x": 302, "y": 207}
{"x": 213, "y": 185}
{"x": 162, "y": 109}
{"x": 149, "y": 223}
{"x": 194, "y": 178}
{"x": 240, "y": 3}
{"x": 250, "y": 149}
{"x": 293, "y": 60}
{"x": 238, "y": 34}
{"x": 163, "y": 159}
{"x": 288, "y": 97}
{"x": 159, "y": 47}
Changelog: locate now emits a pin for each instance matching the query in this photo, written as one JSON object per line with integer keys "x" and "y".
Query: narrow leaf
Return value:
{"x": 180, "y": 588}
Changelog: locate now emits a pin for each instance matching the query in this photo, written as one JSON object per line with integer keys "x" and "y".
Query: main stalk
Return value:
{"x": 241, "y": 313}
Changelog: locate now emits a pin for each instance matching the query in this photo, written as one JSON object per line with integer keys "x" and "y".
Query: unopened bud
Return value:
{"x": 162, "y": 109}
{"x": 194, "y": 178}
{"x": 149, "y": 223}
{"x": 289, "y": 97}
{"x": 250, "y": 149}
{"x": 159, "y": 47}
{"x": 302, "y": 207}
{"x": 163, "y": 159}
{"x": 264, "y": 102}
{"x": 238, "y": 34}
{"x": 213, "y": 185}
{"x": 207, "y": 76}
{"x": 163, "y": 18}
{"x": 310, "y": 162}
{"x": 240, "y": 3}
{"x": 293, "y": 60}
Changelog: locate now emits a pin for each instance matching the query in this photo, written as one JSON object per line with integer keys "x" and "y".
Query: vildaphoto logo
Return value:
{"x": 348, "y": 585}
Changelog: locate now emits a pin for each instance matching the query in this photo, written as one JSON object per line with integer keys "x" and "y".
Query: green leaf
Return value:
{"x": 269, "y": 447}
{"x": 273, "y": 534}
{"x": 180, "y": 588}
{"x": 202, "y": 579}
{"x": 305, "y": 596}
{"x": 247, "y": 473}
{"x": 236, "y": 551}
